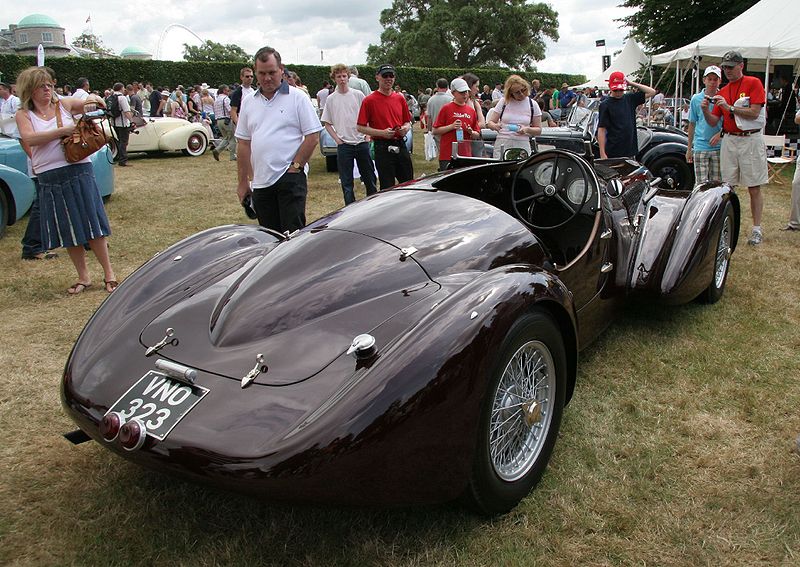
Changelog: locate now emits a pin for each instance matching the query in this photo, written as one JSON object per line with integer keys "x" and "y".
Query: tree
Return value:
{"x": 92, "y": 42}
{"x": 662, "y": 25}
{"x": 464, "y": 33}
{"x": 212, "y": 51}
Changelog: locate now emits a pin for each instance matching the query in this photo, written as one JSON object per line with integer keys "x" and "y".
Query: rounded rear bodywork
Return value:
{"x": 317, "y": 423}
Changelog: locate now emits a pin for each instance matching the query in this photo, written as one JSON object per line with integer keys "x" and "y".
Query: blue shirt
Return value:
{"x": 703, "y": 131}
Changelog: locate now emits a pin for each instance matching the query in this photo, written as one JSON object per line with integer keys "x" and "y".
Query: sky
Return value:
{"x": 310, "y": 32}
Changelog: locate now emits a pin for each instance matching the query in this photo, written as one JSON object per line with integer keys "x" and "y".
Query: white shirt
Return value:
{"x": 276, "y": 128}
{"x": 80, "y": 93}
{"x": 8, "y": 124}
{"x": 322, "y": 96}
{"x": 497, "y": 95}
{"x": 359, "y": 84}
{"x": 122, "y": 121}
{"x": 341, "y": 111}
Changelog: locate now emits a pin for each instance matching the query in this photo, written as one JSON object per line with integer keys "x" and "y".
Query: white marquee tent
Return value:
{"x": 766, "y": 34}
{"x": 628, "y": 61}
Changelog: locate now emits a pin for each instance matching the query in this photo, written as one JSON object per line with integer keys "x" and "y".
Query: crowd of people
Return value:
{"x": 268, "y": 124}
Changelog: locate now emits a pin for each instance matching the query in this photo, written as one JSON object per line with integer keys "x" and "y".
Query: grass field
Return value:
{"x": 677, "y": 448}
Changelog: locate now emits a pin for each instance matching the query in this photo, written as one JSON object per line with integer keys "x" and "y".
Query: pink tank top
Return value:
{"x": 45, "y": 157}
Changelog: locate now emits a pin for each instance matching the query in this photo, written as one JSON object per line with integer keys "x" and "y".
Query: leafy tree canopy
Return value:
{"x": 212, "y": 51}
{"x": 93, "y": 43}
{"x": 464, "y": 33}
{"x": 661, "y": 25}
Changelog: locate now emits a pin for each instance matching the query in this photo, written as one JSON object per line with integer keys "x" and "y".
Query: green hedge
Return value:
{"x": 102, "y": 73}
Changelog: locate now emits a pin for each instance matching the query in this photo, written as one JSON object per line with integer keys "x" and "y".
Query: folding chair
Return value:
{"x": 778, "y": 163}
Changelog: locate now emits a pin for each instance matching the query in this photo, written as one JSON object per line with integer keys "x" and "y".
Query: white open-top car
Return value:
{"x": 164, "y": 135}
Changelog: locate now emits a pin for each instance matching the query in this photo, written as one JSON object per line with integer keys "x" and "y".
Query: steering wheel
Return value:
{"x": 545, "y": 190}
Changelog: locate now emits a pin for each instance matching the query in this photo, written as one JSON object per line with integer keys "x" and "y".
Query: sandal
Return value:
{"x": 111, "y": 285}
{"x": 78, "y": 287}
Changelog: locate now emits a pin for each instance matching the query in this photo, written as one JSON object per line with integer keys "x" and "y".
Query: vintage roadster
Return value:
{"x": 162, "y": 135}
{"x": 417, "y": 346}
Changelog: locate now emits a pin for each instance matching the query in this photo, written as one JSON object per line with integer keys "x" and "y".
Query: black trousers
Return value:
{"x": 123, "y": 133}
{"x": 282, "y": 206}
{"x": 392, "y": 164}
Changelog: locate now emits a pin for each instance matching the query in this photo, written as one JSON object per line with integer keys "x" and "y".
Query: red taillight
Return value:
{"x": 132, "y": 435}
{"x": 110, "y": 426}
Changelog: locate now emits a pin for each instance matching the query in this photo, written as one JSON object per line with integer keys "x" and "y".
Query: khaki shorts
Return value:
{"x": 743, "y": 160}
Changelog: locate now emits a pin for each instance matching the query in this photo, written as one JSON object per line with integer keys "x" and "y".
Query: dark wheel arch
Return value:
{"x": 331, "y": 164}
{"x": 5, "y": 210}
{"x": 496, "y": 484}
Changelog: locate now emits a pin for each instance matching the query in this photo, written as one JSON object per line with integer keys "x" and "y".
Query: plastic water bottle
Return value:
{"x": 460, "y": 135}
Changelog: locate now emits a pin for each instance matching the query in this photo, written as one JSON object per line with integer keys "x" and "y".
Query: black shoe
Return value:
{"x": 41, "y": 256}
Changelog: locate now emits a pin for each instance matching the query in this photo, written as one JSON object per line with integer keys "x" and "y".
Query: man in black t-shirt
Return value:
{"x": 616, "y": 128}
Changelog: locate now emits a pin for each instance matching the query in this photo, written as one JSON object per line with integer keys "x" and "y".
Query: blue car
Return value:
{"x": 17, "y": 189}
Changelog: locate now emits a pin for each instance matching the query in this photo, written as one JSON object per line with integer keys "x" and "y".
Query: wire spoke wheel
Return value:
{"x": 723, "y": 253}
{"x": 521, "y": 411}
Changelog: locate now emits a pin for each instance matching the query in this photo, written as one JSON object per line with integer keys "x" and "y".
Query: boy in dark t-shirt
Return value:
{"x": 616, "y": 128}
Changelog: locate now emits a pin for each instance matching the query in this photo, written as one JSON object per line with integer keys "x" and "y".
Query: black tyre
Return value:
{"x": 331, "y": 165}
{"x": 673, "y": 167}
{"x": 521, "y": 415}
{"x": 196, "y": 145}
{"x": 4, "y": 212}
{"x": 722, "y": 258}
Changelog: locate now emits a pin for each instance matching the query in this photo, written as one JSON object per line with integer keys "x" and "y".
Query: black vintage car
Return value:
{"x": 661, "y": 149}
{"x": 417, "y": 346}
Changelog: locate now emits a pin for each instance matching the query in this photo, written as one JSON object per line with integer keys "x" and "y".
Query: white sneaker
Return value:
{"x": 755, "y": 238}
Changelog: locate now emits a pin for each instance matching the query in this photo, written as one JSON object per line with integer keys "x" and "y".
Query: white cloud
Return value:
{"x": 304, "y": 31}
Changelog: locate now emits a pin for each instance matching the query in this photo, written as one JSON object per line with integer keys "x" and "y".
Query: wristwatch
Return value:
{"x": 297, "y": 165}
{"x": 732, "y": 114}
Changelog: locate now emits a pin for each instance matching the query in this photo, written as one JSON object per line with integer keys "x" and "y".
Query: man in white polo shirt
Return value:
{"x": 277, "y": 133}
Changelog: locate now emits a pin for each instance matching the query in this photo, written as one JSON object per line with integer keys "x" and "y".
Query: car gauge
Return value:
{"x": 576, "y": 191}
{"x": 544, "y": 173}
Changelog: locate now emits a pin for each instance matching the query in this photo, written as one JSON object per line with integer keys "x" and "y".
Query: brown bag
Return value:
{"x": 87, "y": 138}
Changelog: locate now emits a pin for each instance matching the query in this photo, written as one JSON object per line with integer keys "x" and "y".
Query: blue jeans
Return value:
{"x": 345, "y": 155}
{"x": 32, "y": 239}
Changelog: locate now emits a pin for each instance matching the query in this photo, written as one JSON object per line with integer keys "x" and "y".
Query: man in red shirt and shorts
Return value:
{"x": 743, "y": 157}
{"x": 384, "y": 116}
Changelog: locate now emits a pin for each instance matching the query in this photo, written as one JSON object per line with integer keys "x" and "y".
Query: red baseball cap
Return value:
{"x": 616, "y": 81}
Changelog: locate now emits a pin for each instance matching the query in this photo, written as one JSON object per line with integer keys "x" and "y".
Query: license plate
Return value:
{"x": 159, "y": 402}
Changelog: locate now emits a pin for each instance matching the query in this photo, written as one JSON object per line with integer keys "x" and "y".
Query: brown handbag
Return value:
{"x": 87, "y": 138}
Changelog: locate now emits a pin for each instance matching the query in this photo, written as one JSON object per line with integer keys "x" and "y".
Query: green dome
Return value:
{"x": 133, "y": 50}
{"x": 38, "y": 21}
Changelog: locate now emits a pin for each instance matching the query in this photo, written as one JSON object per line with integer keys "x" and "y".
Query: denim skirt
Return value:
{"x": 71, "y": 208}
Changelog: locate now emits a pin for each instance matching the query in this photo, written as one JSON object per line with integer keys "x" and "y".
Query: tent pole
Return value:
{"x": 766, "y": 85}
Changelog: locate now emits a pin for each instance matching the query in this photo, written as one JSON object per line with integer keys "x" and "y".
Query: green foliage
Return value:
{"x": 93, "y": 43}
{"x": 103, "y": 73}
{"x": 463, "y": 33}
{"x": 211, "y": 51}
{"x": 663, "y": 25}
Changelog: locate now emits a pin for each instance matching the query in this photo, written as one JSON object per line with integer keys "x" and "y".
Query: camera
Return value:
{"x": 394, "y": 149}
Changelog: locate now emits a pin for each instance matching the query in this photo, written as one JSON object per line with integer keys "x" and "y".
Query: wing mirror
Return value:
{"x": 614, "y": 188}
{"x": 515, "y": 154}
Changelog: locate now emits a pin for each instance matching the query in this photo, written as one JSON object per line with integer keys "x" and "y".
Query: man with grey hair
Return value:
{"x": 356, "y": 83}
{"x": 441, "y": 97}
{"x": 277, "y": 132}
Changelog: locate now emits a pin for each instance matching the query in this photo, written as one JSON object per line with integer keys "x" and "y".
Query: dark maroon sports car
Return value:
{"x": 417, "y": 346}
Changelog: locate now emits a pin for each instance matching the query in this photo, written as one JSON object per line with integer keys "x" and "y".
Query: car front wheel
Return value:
{"x": 196, "y": 145}
{"x": 521, "y": 415}
{"x": 722, "y": 258}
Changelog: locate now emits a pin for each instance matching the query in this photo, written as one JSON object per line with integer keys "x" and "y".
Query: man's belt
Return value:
{"x": 742, "y": 133}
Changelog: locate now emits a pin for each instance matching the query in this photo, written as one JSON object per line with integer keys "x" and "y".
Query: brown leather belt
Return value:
{"x": 743, "y": 133}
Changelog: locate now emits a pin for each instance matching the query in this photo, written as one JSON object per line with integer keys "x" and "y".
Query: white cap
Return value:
{"x": 459, "y": 85}
{"x": 713, "y": 69}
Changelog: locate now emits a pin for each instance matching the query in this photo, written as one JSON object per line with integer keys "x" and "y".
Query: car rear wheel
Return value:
{"x": 722, "y": 259}
{"x": 4, "y": 212}
{"x": 521, "y": 415}
{"x": 675, "y": 168}
{"x": 331, "y": 164}
{"x": 196, "y": 145}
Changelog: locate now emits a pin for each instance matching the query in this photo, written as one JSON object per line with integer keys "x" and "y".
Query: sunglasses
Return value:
{"x": 518, "y": 92}
{"x": 388, "y": 75}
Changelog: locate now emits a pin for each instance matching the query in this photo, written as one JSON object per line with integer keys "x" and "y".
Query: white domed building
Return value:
{"x": 24, "y": 38}
{"x": 133, "y": 52}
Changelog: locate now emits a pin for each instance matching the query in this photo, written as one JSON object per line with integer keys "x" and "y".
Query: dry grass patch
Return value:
{"x": 675, "y": 450}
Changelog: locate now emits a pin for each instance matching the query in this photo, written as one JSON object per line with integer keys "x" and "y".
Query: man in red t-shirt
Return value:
{"x": 456, "y": 120}
{"x": 384, "y": 116}
{"x": 743, "y": 157}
